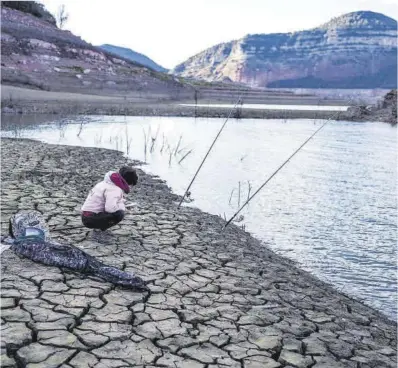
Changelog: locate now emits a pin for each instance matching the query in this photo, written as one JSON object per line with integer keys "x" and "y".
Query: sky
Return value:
{"x": 171, "y": 31}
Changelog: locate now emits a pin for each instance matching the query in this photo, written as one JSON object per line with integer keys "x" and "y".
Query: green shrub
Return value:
{"x": 31, "y": 7}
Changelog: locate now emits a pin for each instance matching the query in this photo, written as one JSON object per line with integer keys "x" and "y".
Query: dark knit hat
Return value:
{"x": 129, "y": 174}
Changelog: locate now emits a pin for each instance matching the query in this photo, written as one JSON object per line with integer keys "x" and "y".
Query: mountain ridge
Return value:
{"x": 133, "y": 56}
{"x": 360, "y": 46}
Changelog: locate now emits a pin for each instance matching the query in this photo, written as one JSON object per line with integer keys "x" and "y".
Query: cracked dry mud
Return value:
{"x": 217, "y": 299}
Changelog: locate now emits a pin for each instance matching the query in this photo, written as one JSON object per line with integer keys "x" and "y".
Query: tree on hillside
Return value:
{"x": 62, "y": 16}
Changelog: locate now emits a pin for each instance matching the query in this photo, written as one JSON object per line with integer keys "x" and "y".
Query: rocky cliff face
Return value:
{"x": 356, "y": 50}
{"x": 36, "y": 54}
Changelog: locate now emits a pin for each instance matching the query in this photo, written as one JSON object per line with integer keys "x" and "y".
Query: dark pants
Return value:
{"x": 103, "y": 220}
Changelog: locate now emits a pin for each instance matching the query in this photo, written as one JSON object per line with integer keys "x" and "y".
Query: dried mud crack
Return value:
{"x": 216, "y": 299}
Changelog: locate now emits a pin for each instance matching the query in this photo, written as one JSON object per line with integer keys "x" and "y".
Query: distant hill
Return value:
{"x": 355, "y": 50}
{"x": 133, "y": 56}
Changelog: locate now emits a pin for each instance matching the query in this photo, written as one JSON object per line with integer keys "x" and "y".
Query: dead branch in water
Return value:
{"x": 161, "y": 149}
{"x": 230, "y": 197}
{"x": 128, "y": 141}
{"x": 145, "y": 143}
{"x": 249, "y": 189}
{"x": 184, "y": 157}
{"x": 154, "y": 139}
{"x": 239, "y": 194}
{"x": 178, "y": 145}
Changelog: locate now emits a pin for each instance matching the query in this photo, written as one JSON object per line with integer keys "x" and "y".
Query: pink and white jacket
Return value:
{"x": 108, "y": 195}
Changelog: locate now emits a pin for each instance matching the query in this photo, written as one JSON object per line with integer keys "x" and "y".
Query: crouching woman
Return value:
{"x": 105, "y": 204}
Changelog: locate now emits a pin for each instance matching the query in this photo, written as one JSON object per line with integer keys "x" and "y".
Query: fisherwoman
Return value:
{"x": 105, "y": 204}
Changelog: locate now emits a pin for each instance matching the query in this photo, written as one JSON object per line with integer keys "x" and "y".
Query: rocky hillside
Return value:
{"x": 356, "y": 50}
{"x": 133, "y": 56}
{"x": 385, "y": 110}
{"x": 36, "y": 54}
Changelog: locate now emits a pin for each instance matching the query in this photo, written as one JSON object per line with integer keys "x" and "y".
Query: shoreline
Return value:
{"x": 174, "y": 110}
{"x": 167, "y": 110}
{"x": 216, "y": 298}
{"x": 20, "y": 101}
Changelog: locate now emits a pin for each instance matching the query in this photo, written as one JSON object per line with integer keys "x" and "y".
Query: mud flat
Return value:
{"x": 217, "y": 299}
{"x": 17, "y": 100}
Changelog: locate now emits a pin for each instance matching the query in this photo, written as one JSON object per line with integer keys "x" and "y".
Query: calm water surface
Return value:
{"x": 332, "y": 209}
{"x": 276, "y": 107}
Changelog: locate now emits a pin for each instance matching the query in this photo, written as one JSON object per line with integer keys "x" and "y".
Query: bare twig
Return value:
{"x": 161, "y": 150}
{"x": 128, "y": 141}
{"x": 230, "y": 197}
{"x": 239, "y": 194}
{"x": 183, "y": 158}
{"x": 154, "y": 139}
{"x": 80, "y": 128}
{"x": 178, "y": 145}
{"x": 145, "y": 143}
{"x": 249, "y": 189}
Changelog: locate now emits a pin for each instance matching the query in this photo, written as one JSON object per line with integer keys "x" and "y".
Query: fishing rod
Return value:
{"x": 279, "y": 168}
{"x": 207, "y": 154}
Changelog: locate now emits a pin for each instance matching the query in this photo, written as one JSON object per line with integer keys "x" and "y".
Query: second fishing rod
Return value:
{"x": 281, "y": 166}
